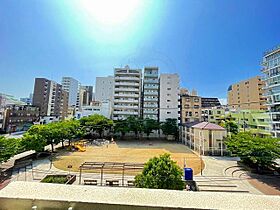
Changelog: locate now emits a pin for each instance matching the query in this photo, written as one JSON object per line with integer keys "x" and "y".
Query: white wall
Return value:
{"x": 169, "y": 95}
{"x": 104, "y": 88}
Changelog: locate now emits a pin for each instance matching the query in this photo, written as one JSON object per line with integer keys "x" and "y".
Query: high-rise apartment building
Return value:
{"x": 247, "y": 94}
{"x": 190, "y": 107}
{"x": 104, "y": 88}
{"x": 150, "y": 103}
{"x": 127, "y": 92}
{"x": 50, "y": 98}
{"x": 87, "y": 95}
{"x": 169, "y": 96}
{"x": 72, "y": 86}
{"x": 271, "y": 64}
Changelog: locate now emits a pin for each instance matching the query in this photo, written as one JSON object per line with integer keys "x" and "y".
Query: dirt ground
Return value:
{"x": 129, "y": 152}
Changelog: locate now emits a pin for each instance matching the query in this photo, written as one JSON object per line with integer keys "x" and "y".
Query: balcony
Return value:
{"x": 150, "y": 105}
{"x": 127, "y": 78}
{"x": 154, "y": 75}
{"x": 150, "y": 87}
{"x": 151, "y": 99}
{"x": 150, "y": 112}
{"x": 128, "y": 84}
{"x": 127, "y": 89}
{"x": 151, "y": 81}
{"x": 125, "y": 107}
{"x": 125, "y": 113}
{"x": 151, "y": 93}
{"x": 127, "y": 95}
{"x": 126, "y": 101}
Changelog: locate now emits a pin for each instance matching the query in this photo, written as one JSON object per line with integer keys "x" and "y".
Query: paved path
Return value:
{"x": 215, "y": 178}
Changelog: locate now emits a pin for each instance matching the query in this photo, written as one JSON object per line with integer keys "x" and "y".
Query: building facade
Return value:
{"x": 169, "y": 96}
{"x": 20, "y": 117}
{"x": 247, "y": 94}
{"x": 87, "y": 95}
{"x": 104, "y": 88}
{"x": 271, "y": 69}
{"x": 127, "y": 93}
{"x": 150, "y": 102}
{"x": 190, "y": 105}
{"x": 102, "y": 108}
{"x": 51, "y": 99}
{"x": 216, "y": 115}
{"x": 204, "y": 137}
{"x": 255, "y": 121}
{"x": 207, "y": 102}
{"x": 72, "y": 87}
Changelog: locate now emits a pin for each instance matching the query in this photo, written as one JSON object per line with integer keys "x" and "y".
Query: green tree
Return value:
{"x": 161, "y": 173}
{"x": 170, "y": 127}
{"x": 121, "y": 126}
{"x": 48, "y": 133}
{"x": 253, "y": 150}
{"x": 149, "y": 125}
{"x": 96, "y": 123}
{"x": 231, "y": 127}
{"x": 135, "y": 125}
{"x": 9, "y": 147}
{"x": 33, "y": 142}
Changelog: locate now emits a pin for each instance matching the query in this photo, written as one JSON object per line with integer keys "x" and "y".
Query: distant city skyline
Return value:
{"x": 210, "y": 44}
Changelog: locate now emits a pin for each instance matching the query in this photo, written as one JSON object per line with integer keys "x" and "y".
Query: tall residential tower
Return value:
{"x": 151, "y": 93}
{"x": 169, "y": 96}
{"x": 50, "y": 98}
{"x": 271, "y": 64}
{"x": 127, "y": 92}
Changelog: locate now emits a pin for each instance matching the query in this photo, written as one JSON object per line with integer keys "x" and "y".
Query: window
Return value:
{"x": 168, "y": 88}
{"x": 168, "y": 112}
{"x": 168, "y": 100}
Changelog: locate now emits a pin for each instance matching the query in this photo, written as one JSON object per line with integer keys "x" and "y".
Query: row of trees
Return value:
{"x": 147, "y": 126}
{"x": 39, "y": 136}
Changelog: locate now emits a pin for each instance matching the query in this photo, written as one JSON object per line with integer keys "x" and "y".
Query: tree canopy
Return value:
{"x": 9, "y": 147}
{"x": 253, "y": 150}
{"x": 170, "y": 127}
{"x": 161, "y": 173}
{"x": 149, "y": 125}
{"x": 96, "y": 123}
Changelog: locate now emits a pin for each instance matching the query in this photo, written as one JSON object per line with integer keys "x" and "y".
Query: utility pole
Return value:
{"x": 244, "y": 121}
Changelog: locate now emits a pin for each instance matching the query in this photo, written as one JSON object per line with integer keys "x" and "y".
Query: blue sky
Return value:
{"x": 209, "y": 43}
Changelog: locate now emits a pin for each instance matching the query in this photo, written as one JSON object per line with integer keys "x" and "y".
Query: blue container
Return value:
{"x": 188, "y": 174}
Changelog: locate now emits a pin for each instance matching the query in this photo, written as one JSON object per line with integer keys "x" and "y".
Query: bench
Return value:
{"x": 90, "y": 182}
{"x": 112, "y": 182}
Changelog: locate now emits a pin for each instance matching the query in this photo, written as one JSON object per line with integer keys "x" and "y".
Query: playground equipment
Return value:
{"x": 80, "y": 146}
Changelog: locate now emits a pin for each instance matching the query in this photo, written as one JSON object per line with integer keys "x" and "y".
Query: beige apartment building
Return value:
{"x": 247, "y": 94}
{"x": 190, "y": 106}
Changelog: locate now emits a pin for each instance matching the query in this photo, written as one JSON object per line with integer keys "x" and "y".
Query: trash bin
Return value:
{"x": 188, "y": 173}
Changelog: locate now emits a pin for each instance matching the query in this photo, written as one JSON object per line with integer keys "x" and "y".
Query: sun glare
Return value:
{"x": 110, "y": 12}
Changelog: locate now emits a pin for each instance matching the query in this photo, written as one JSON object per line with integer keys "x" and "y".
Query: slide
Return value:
{"x": 80, "y": 148}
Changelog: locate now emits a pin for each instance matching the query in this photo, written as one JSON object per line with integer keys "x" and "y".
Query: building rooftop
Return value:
{"x": 24, "y": 195}
{"x": 208, "y": 126}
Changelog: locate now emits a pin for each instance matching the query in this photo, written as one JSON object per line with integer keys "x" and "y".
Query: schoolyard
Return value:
{"x": 137, "y": 151}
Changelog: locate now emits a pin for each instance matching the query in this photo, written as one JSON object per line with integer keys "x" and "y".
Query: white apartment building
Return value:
{"x": 127, "y": 92}
{"x": 271, "y": 69}
{"x": 72, "y": 86}
{"x": 104, "y": 88}
{"x": 151, "y": 93}
{"x": 102, "y": 108}
{"x": 169, "y": 96}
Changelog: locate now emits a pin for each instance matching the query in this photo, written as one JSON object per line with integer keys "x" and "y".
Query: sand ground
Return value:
{"x": 129, "y": 152}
